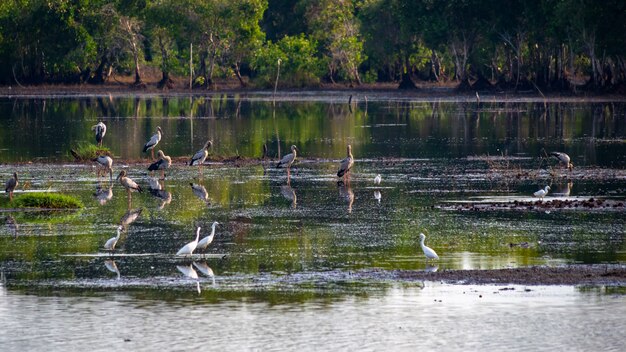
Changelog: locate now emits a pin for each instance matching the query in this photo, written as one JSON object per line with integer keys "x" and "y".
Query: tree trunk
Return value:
{"x": 165, "y": 82}
{"x": 238, "y": 74}
{"x": 406, "y": 82}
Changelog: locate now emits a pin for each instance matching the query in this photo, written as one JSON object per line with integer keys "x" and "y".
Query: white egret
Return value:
{"x": 10, "y": 185}
{"x": 377, "y": 179}
{"x": 154, "y": 140}
{"x": 105, "y": 162}
{"x": 110, "y": 244}
{"x": 428, "y": 252}
{"x": 191, "y": 246}
{"x": 542, "y": 192}
{"x": 346, "y": 164}
{"x": 205, "y": 242}
{"x": 563, "y": 159}
{"x": 101, "y": 129}
{"x": 162, "y": 164}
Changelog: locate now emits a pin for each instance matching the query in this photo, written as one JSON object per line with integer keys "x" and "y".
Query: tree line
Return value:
{"x": 545, "y": 45}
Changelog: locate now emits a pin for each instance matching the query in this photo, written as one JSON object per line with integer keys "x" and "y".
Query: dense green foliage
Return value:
{"x": 46, "y": 201}
{"x": 517, "y": 44}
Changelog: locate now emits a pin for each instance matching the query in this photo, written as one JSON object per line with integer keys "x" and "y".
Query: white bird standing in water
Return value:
{"x": 428, "y": 252}
{"x": 346, "y": 164}
{"x": 101, "y": 129}
{"x": 377, "y": 179}
{"x": 563, "y": 159}
{"x": 105, "y": 162}
{"x": 110, "y": 244}
{"x": 191, "y": 246}
{"x": 205, "y": 242}
{"x": 542, "y": 192}
{"x": 154, "y": 140}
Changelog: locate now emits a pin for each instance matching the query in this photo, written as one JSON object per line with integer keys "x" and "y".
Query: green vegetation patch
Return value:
{"x": 86, "y": 151}
{"x": 46, "y": 200}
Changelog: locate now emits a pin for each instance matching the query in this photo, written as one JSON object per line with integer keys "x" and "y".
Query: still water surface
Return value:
{"x": 286, "y": 268}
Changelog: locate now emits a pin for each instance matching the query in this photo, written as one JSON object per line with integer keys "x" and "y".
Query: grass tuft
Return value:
{"x": 86, "y": 151}
{"x": 46, "y": 200}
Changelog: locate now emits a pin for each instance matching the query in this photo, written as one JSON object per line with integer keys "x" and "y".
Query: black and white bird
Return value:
{"x": 104, "y": 162}
{"x": 101, "y": 129}
{"x": 10, "y": 185}
{"x": 163, "y": 163}
{"x": 563, "y": 159}
{"x": 128, "y": 183}
{"x": 346, "y": 164}
{"x": 288, "y": 159}
{"x": 201, "y": 155}
{"x": 542, "y": 192}
{"x": 154, "y": 140}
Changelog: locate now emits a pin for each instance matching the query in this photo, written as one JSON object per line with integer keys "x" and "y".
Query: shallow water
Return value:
{"x": 289, "y": 255}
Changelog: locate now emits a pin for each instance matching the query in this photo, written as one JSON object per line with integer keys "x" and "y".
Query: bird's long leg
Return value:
{"x": 162, "y": 174}
{"x": 129, "y": 199}
{"x": 11, "y": 196}
{"x": 152, "y": 152}
{"x": 110, "y": 175}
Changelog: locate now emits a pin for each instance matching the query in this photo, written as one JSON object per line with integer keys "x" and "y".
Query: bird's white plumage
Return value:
{"x": 110, "y": 244}
{"x": 205, "y": 242}
{"x": 200, "y": 156}
{"x": 154, "y": 140}
{"x": 191, "y": 246}
{"x": 377, "y": 179}
{"x": 100, "y": 129}
{"x": 428, "y": 252}
{"x": 542, "y": 192}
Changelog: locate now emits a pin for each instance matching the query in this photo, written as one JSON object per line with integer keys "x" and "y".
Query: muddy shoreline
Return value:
{"x": 579, "y": 274}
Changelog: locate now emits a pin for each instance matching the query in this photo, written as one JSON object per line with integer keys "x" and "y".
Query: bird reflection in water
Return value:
{"x": 563, "y": 190}
{"x": 206, "y": 271}
{"x": 200, "y": 192}
{"x": 346, "y": 194}
{"x": 157, "y": 189}
{"x": 103, "y": 195}
{"x": 431, "y": 268}
{"x": 191, "y": 273}
{"x": 378, "y": 196}
{"x": 12, "y": 226}
{"x": 112, "y": 267}
{"x": 288, "y": 193}
{"x": 129, "y": 217}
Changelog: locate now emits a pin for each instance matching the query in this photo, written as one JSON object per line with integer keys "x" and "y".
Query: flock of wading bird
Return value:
{"x": 164, "y": 162}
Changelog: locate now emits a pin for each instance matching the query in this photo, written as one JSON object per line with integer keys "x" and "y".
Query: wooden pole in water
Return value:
{"x": 190, "y": 65}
